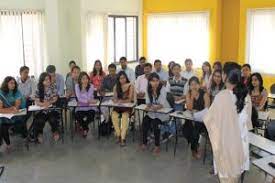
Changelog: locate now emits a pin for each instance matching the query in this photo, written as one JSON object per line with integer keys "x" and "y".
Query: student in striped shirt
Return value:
{"x": 177, "y": 86}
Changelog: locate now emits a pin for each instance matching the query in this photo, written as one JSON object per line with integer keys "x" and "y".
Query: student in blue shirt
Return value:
{"x": 11, "y": 101}
{"x": 56, "y": 79}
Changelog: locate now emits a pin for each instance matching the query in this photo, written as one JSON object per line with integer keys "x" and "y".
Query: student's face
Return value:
{"x": 171, "y": 65}
{"x": 154, "y": 83}
{"x": 11, "y": 85}
{"x": 53, "y": 77}
{"x": 24, "y": 74}
{"x": 205, "y": 68}
{"x": 255, "y": 81}
{"x": 147, "y": 70}
{"x": 97, "y": 66}
{"x": 194, "y": 86}
{"x": 122, "y": 79}
{"x": 246, "y": 72}
{"x": 157, "y": 66}
{"x": 217, "y": 78}
{"x": 85, "y": 81}
{"x": 188, "y": 66}
{"x": 72, "y": 65}
{"x": 123, "y": 64}
{"x": 142, "y": 62}
{"x": 112, "y": 71}
{"x": 176, "y": 71}
{"x": 75, "y": 73}
{"x": 47, "y": 81}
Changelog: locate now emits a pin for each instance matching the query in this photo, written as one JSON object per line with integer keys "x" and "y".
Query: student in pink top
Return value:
{"x": 97, "y": 75}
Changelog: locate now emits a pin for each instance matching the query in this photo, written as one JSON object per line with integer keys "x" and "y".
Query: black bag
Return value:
{"x": 270, "y": 131}
{"x": 105, "y": 128}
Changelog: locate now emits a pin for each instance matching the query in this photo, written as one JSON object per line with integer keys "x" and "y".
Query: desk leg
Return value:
{"x": 71, "y": 124}
{"x": 139, "y": 126}
{"x": 176, "y": 142}
{"x": 98, "y": 122}
{"x": 62, "y": 125}
{"x": 66, "y": 119}
{"x": 110, "y": 117}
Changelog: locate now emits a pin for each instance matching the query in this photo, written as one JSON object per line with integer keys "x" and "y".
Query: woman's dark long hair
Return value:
{"x": 101, "y": 69}
{"x": 259, "y": 78}
{"x": 40, "y": 86}
{"x": 118, "y": 84}
{"x": 219, "y": 64}
{"x": 81, "y": 75}
{"x": 213, "y": 84}
{"x": 170, "y": 66}
{"x": 210, "y": 70}
{"x": 233, "y": 76}
{"x": 193, "y": 79}
{"x": 5, "y": 87}
{"x": 150, "y": 89}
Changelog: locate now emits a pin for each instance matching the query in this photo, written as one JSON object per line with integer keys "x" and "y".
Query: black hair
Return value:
{"x": 72, "y": 62}
{"x": 75, "y": 67}
{"x": 213, "y": 84}
{"x": 176, "y": 65}
{"x": 40, "y": 85}
{"x": 142, "y": 58}
{"x": 50, "y": 69}
{"x": 122, "y": 58}
{"x": 112, "y": 66}
{"x": 247, "y": 65}
{"x": 194, "y": 78}
{"x": 188, "y": 60}
{"x": 101, "y": 69}
{"x": 5, "y": 87}
{"x": 81, "y": 75}
{"x": 118, "y": 84}
{"x": 157, "y": 61}
{"x": 150, "y": 89}
{"x": 219, "y": 64}
{"x": 148, "y": 65}
{"x": 23, "y": 68}
{"x": 259, "y": 78}
{"x": 210, "y": 70}
{"x": 233, "y": 76}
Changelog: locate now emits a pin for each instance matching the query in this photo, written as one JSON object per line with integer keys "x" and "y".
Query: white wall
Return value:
{"x": 64, "y": 20}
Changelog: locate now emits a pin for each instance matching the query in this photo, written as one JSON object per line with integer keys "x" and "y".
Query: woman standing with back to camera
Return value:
{"x": 228, "y": 122}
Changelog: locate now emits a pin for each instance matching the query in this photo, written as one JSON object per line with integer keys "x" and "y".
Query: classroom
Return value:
{"x": 137, "y": 91}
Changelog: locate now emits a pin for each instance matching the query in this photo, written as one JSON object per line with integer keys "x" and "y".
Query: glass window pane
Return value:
{"x": 111, "y": 45}
{"x": 120, "y": 42}
{"x": 131, "y": 38}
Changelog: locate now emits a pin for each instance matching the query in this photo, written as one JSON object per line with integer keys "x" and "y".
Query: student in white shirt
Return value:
{"x": 129, "y": 72}
{"x": 163, "y": 75}
{"x": 188, "y": 73}
{"x": 142, "y": 83}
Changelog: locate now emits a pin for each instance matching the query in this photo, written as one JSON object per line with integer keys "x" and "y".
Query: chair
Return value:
{"x": 2, "y": 168}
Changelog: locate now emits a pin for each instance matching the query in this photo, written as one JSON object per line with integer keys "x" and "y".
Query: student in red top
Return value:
{"x": 97, "y": 75}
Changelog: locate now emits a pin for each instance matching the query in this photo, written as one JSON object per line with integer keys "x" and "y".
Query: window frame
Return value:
{"x": 126, "y": 46}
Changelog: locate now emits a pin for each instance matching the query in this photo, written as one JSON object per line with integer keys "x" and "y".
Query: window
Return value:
{"x": 21, "y": 42}
{"x": 123, "y": 38}
{"x": 261, "y": 40}
{"x": 179, "y": 36}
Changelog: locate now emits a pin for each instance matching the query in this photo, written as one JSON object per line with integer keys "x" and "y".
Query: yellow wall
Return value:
{"x": 244, "y": 6}
{"x": 165, "y": 6}
{"x": 230, "y": 29}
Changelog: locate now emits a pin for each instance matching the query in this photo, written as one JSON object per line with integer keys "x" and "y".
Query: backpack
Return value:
{"x": 105, "y": 128}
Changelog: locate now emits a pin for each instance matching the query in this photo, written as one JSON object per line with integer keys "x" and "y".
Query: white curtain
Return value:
{"x": 96, "y": 39}
{"x": 261, "y": 40}
{"x": 21, "y": 42}
{"x": 179, "y": 36}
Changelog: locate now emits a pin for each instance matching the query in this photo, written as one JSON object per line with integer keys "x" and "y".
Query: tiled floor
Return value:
{"x": 102, "y": 161}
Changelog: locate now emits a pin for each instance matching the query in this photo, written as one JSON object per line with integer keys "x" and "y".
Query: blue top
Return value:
{"x": 9, "y": 99}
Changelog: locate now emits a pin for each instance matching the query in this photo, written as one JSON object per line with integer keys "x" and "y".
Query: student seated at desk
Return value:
{"x": 11, "y": 101}
{"x": 45, "y": 96}
{"x": 71, "y": 65}
{"x": 155, "y": 99}
{"x": 177, "y": 86}
{"x": 170, "y": 68}
{"x": 206, "y": 74}
{"x": 85, "y": 95}
{"x": 109, "y": 81}
{"x": 216, "y": 84}
{"x": 142, "y": 83}
{"x": 56, "y": 79}
{"x": 123, "y": 93}
{"x": 71, "y": 81}
{"x": 196, "y": 100}
{"x": 246, "y": 74}
{"x": 97, "y": 75}
{"x": 258, "y": 96}
{"x": 188, "y": 73}
{"x": 163, "y": 75}
{"x": 139, "y": 70}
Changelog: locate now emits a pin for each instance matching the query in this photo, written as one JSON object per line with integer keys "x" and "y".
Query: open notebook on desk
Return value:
{"x": 21, "y": 112}
{"x": 37, "y": 108}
